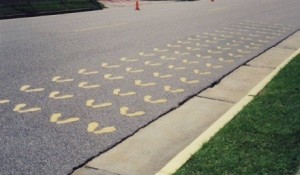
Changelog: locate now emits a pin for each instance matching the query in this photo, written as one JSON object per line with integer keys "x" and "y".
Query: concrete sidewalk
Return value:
{"x": 154, "y": 146}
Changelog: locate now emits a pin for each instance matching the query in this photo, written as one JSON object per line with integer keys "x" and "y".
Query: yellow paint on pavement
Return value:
{"x": 55, "y": 118}
{"x": 169, "y": 89}
{"x": 149, "y": 97}
{"x": 93, "y": 127}
{"x": 197, "y": 71}
{"x": 100, "y": 27}
{"x": 85, "y": 72}
{"x": 85, "y": 85}
{"x": 20, "y": 108}
{"x": 124, "y": 111}
{"x": 56, "y": 95}
{"x": 90, "y": 103}
{"x": 157, "y": 74}
{"x": 26, "y": 88}
{"x": 118, "y": 92}
{"x": 58, "y": 79}
{"x": 131, "y": 70}
{"x": 110, "y": 77}
{"x": 140, "y": 83}
{"x": 184, "y": 80}
{"x": 4, "y": 101}
{"x": 106, "y": 65}
{"x": 125, "y": 59}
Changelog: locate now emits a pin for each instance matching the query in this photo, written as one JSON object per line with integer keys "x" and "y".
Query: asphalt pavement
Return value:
{"x": 74, "y": 85}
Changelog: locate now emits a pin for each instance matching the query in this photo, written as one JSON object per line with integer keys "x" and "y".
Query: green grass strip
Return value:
{"x": 48, "y": 7}
{"x": 264, "y": 138}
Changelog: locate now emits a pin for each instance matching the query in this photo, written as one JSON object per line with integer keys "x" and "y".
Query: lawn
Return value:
{"x": 264, "y": 138}
{"x": 46, "y": 6}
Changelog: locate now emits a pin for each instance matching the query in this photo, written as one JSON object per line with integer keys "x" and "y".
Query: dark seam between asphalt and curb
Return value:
{"x": 226, "y": 101}
{"x": 181, "y": 103}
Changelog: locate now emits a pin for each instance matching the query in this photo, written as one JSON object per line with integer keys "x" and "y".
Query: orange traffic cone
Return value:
{"x": 137, "y": 5}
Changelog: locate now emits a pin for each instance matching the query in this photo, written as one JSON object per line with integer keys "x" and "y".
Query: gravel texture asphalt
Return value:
{"x": 74, "y": 85}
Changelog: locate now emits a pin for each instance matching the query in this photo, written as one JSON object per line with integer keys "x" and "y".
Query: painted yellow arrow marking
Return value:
{"x": 128, "y": 60}
{"x": 181, "y": 53}
{"x": 26, "y": 88}
{"x": 85, "y": 72}
{"x": 157, "y": 74}
{"x": 171, "y": 45}
{"x": 183, "y": 42}
{"x": 58, "y": 79}
{"x": 90, "y": 103}
{"x": 55, "y": 118}
{"x": 184, "y": 80}
{"x": 4, "y": 101}
{"x": 149, "y": 63}
{"x": 212, "y": 66}
{"x": 168, "y": 89}
{"x": 190, "y": 48}
{"x": 55, "y": 95}
{"x": 146, "y": 55}
{"x": 167, "y": 58}
{"x": 160, "y": 50}
{"x": 140, "y": 83}
{"x": 20, "y": 108}
{"x": 110, "y": 77}
{"x": 148, "y": 99}
{"x": 226, "y": 61}
{"x": 190, "y": 62}
{"x": 106, "y": 65}
{"x": 131, "y": 70}
{"x": 118, "y": 92}
{"x": 85, "y": 85}
{"x": 176, "y": 68}
{"x": 124, "y": 111}
{"x": 197, "y": 71}
{"x": 93, "y": 128}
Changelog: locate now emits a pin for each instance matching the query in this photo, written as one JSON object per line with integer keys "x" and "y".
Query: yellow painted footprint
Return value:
{"x": 184, "y": 80}
{"x": 20, "y": 108}
{"x": 56, "y": 95}
{"x": 85, "y": 72}
{"x": 93, "y": 127}
{"x": 148, "y": 99}
{"x": 90, "y": 103}
{"x": 55, "y": 118}
{"x": 131, "y": 70}
{"x": 106, "y": 65}
{"x": 110, "y": 77}
{"x": 157, "y": 74}
{"x": 197, "y": 71}
{"x": 58, "y": 79}
{"x": 85, "y": 85}
{"x": 26, "y": 88}
{"x": 213, "y": 66}
{"x": 190, "y": 62}
{"x": 4, "y": 101}
{"x": 140, "y": 83}
{"x": 181, "y": 53}
{"x": 146, "y": 55}
{"x": 124, "y": 111}
{"x": 176, "y": 68}
{"x": 168, "y": 89}
{"x": 149, "y": 63}
{"x": 226, "y": 61}
{"x": 160, "y": 50}
{"x": 167, "y": 58}
{"x": 118, "y": 92}
{"x": 125, "y": 59}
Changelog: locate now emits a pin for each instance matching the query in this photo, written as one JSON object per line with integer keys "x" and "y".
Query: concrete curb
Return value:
{"x": 182, "y": 157}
